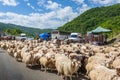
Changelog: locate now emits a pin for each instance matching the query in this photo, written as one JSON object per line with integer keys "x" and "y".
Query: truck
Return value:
{"x": 22, "y": 37}
{"x": 62, "y": 35}
{"x": 75, "y": 37}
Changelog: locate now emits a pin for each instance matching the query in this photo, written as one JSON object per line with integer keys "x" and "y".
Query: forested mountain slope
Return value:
{"x": 107, "y": 17}
{"x": 30, "y": 31}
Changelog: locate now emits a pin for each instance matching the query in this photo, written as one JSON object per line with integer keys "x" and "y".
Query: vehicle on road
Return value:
{"x": 23, "y": 36}
{"x": 75, "y": 37}
{"x": 61, "y": 35}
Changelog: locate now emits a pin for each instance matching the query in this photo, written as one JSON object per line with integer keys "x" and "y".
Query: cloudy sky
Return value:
{"x": 46, "y": 13}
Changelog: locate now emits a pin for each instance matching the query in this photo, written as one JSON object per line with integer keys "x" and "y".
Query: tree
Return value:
{"x": 13, "y": 31}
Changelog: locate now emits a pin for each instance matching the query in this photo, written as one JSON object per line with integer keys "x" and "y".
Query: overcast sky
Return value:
{"x": 46, "y": 13}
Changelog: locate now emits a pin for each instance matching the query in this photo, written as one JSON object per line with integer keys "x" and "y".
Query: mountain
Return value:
{"x": 29, "y": 31}
{"x": 107, "y": 17}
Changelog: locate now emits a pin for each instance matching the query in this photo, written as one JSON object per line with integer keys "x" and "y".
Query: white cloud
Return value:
{"x": 79, "y": 1}
{"x": 83, "y": 8}
{"x": 9, "y": 2}
{"x": 52, "y": 5}
{"x": 31, "y": 6}
{"x": 51, "y": 19}
{"x": 49, "y": 4}
{"x": 103, "y": 2}
{"x": 41, "y": 2}
{"x": 66, "y": 14}
{"x": 118, "y": 1}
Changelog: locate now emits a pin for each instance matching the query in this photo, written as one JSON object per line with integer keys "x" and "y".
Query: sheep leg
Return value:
{"x": 70, "y": 77}
{"x": 41, "y": 67}
{"x": 16, "y": 59}
{"x": 77, "y": 74}
{"x": 45, "y": 68}
{"x": 87, "y": 73}
{"x": 58, "y": 74}
{"x": 62, "y": 77}
{"x": 51, "y": 69}
{"x": 65, "y": 78}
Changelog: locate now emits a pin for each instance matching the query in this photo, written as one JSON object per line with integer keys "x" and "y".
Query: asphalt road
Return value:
{"x": 10, "y": 69}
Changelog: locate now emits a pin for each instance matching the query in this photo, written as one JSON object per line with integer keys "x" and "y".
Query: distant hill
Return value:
{"x": 107, "y": 17}
{"x": 31, "y": 31}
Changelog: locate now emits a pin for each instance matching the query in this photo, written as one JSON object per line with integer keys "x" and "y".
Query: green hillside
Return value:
{"x": 107, "y": 17}
{"x": 29, "y": 31}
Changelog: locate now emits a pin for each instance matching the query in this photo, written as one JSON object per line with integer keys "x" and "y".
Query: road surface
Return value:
{"x": 10, "y": 69}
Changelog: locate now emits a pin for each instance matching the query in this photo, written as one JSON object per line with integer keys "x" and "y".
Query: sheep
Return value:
{"x": 3, "y": 46}
{"x": 51, "y": 64}
{"x": 17, "y": 55}
{"x": 109, "y": 49}
{"x": 97, "y": 49}
{"x": 106, "y": 74}
{"x": 50, "y": 54}
{"x": 78, "y": 58}
{"x": 116, "y": 78}
{"x": 59, "y": 60}
{"x": 97, "y": 57}
{"x": 44, "y": 61}
{"x": 96, "y": 60}
{"x": 66, "y": 66}
{"x": 102, "y": 73}
{"x": 37, "y": 56}
{"x": 118, "y": 70}
{"x": 116, "y": 63}
{"x": 93, "y": 74}
{"x": 68, "y": 59}
{"x": 28, "y": 59}
{"x": 70, "y": 67}
{"x": 10, "y": 51}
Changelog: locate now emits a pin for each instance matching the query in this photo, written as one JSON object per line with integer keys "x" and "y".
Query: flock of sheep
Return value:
{"x": 97, "y": 62}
